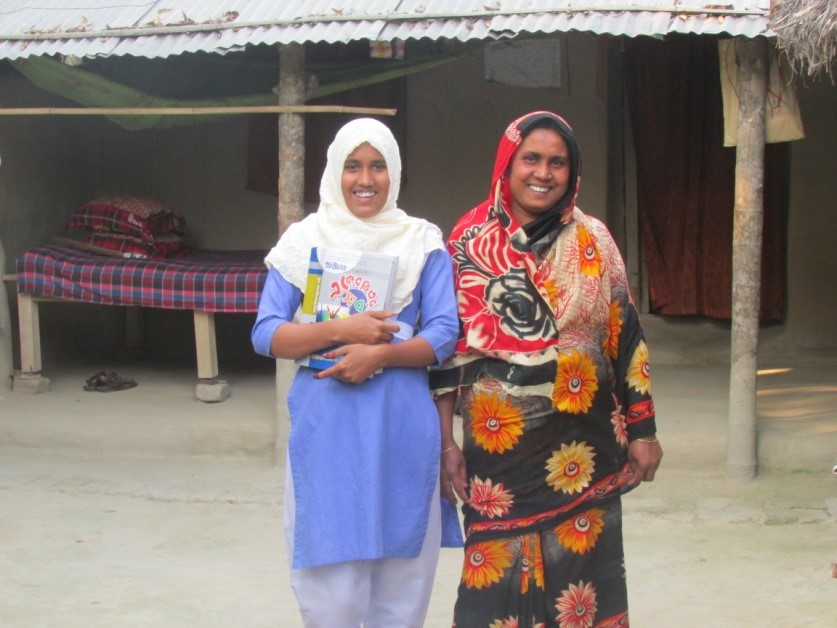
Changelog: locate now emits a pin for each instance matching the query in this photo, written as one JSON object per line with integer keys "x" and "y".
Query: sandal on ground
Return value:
{"x": 108, "y": 382}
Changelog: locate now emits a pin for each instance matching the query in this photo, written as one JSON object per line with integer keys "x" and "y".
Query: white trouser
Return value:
{"x": 381, "y": 593}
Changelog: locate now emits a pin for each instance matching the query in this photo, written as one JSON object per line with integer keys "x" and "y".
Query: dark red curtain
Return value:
{"x": 686, "y": 180}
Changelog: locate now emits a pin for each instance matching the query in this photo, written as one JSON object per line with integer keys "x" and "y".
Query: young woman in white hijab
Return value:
{"x": 363, "y": 517}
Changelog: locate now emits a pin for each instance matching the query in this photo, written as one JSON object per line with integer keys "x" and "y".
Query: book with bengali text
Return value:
{"x": 344, "y": 282}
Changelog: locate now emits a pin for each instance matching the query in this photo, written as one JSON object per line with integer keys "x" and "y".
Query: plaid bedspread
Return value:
{"x": 211, "y": 281}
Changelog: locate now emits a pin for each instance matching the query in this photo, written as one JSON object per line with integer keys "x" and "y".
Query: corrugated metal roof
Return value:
{"x": 159, "y": 28}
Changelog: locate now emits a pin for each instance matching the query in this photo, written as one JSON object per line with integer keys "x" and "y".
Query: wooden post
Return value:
{"x": 746, "y": 258}
{"x": 291, "y": 155}
{"x": 291, "y": 152}
{"x": 6, "y": 360}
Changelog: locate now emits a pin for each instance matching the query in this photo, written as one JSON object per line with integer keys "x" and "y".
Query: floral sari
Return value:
{"x": 553, "y": 382}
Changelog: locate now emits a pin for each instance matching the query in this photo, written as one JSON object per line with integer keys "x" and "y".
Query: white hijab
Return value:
{"x": 389, "y": 231}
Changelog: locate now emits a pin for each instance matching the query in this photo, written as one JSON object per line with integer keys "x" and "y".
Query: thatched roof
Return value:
{"x": 806, "y": 30}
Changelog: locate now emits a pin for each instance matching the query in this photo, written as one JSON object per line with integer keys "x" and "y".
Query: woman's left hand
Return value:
{"x": 356, "y": 363}
{"x": 644, "y": 457}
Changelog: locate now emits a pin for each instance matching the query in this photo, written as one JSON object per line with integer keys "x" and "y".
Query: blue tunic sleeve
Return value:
{"x": 279, "y": 300}
{"x": 438, "y": 319}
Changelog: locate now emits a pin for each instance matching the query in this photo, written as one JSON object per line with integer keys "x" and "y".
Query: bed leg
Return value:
{"x": 30, "y": 380}
{"x": 210, "y": 388}
{"x": 133, "y": 329}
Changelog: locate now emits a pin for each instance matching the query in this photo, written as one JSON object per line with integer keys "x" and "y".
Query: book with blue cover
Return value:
{"x": 343, "y": 282}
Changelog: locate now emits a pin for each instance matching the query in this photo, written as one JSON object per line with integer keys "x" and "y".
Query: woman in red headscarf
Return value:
{"x": 551, "y": 377}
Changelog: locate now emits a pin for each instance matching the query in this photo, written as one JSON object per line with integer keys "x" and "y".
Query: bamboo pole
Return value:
{"x": 6, "y": 359}
{"x": 746, "y": 258}
{"x": 291, "y": 155}
{"x": 190, "y": 111}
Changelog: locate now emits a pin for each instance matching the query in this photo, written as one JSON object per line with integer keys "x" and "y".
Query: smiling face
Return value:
{"x": 365, "y": 181}
{"x": 539, "y": 174}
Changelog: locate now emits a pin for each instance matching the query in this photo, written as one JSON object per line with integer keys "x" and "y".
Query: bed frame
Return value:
{"x": 206, "y": 282}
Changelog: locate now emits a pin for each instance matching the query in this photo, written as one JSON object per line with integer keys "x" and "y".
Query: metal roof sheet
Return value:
{"x": 159, "y": 28}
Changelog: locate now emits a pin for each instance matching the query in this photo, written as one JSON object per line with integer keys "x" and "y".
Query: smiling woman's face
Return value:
{"x": 539, "y": 174}
{"x": 365, "y": 181}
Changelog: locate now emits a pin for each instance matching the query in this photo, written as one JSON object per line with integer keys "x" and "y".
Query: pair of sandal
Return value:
{"x": 108, "y": 382}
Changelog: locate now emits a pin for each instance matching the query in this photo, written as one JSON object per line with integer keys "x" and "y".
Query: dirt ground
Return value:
{"x": 146, "y": 507}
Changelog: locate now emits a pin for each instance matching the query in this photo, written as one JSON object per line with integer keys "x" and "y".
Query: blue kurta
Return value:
{"x": 365, "y": 457}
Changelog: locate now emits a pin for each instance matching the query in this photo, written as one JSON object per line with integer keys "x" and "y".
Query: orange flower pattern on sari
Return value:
{"x": 614, "y": 329}
{"x": 495, "y": 423}
{"x": 580, "y": 533}
{"x": 553, "y": 291}
{"x": 589, "y": 259}
{"x": 532, "y": 563}
{"x": 577, "y": 606}
{"x": 639, "y": 370}
{"x": 571, "y": 468}
{"x": 489, "y": 500}
{"x": 485, "y": 563}
{"x": 575, "y": 384}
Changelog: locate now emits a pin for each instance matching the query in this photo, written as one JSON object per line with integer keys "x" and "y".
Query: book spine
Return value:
{"x": 312, "y": 283}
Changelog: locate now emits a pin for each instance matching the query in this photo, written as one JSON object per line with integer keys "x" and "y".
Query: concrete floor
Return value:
{"x": 146, "y": 507}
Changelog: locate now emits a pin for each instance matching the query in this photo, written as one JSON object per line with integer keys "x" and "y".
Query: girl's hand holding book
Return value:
{"x": 369, "y": 328}
{"x": 355, "y": 363}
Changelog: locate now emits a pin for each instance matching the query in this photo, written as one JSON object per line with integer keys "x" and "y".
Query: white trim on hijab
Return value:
{"x": 390, "y": 231}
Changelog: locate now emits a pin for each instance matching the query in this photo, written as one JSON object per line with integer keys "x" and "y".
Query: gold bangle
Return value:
{"x": 444, "y": 451}
{"x": 649, "y": 439}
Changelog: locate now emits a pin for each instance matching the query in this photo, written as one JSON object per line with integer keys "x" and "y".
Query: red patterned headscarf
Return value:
{"x": 503, "y": 300}
{"x": 548, "y": 223}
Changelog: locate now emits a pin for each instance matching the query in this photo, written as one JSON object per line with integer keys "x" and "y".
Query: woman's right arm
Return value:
{"x": 275, "y": 334}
